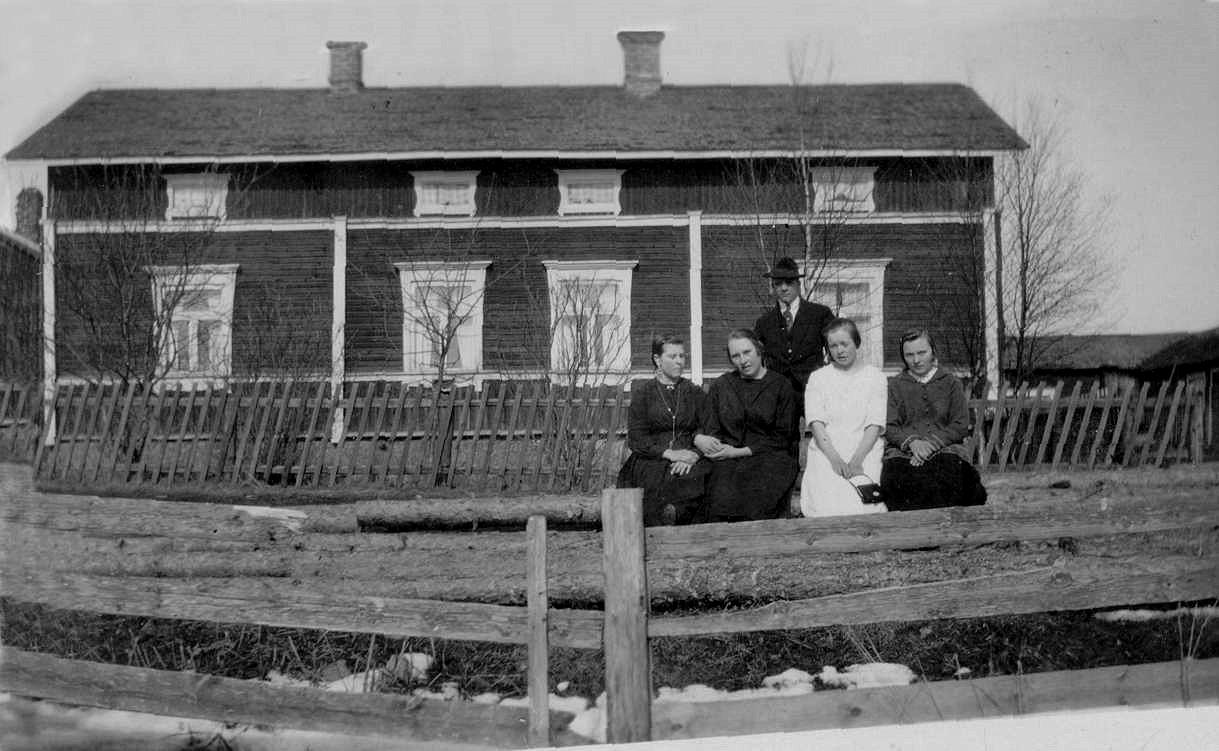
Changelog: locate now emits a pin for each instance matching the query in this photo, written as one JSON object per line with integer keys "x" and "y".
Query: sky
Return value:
{"x": 1135, "y": 84}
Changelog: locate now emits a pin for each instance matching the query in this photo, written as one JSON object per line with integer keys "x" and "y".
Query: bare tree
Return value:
{"x": 1057, "y": 268}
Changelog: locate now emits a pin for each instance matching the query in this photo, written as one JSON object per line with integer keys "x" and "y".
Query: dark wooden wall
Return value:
{"x": 20, "y": 312}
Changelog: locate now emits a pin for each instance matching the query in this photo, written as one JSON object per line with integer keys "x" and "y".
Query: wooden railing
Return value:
{"x": 312, "y": 567}
{"x": 516, "y": 436}
{"x": 20, "y": 420}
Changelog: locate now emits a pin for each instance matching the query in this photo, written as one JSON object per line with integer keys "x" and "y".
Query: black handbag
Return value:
{"x": 867, "y": 488}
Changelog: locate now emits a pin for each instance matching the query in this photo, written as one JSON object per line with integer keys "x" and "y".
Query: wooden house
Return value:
{"x": 362, "y": 233}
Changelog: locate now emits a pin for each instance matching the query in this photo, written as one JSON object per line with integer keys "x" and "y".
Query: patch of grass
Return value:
{"x": 933, "y": 649}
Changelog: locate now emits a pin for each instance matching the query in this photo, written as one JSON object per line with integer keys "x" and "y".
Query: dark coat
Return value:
{"x": 797, "y": 353}
{"x": 935, "y": 411}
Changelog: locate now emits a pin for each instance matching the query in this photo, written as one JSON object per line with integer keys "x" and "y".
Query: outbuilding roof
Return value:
{"x": 231, "y": 123}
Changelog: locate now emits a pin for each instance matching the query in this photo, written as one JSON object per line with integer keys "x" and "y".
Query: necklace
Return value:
{"x": 671, "y": 409}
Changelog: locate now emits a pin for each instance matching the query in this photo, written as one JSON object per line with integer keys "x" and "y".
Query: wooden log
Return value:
{"x": 1073, "y": 585}
{"x": 231, "y": 700}
{"x": 538, "y": 639}
{"x": 330, "y": 605}
{"x": 451, "y": 512}
{"x": 628, "y": 680}
{"x": 1164, "y": 683}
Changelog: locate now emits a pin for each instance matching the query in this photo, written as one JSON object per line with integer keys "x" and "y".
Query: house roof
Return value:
{"x": 1189, "y": 350}
{"x": 175, "y": 123}
{"x": 1099, "y": 351}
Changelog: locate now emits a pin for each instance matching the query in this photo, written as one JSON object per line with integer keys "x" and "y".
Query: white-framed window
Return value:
{"x": 445, "y": 193}
{"x": 843, "y": 189}
{"x": 194, "y": 308}
{"x": 442, "y": 316}
{"x": 589, "y": 191}
{"x": 855, "y": 288}
{"x": 590, "y": 317}
{"x": 199, "y": 195}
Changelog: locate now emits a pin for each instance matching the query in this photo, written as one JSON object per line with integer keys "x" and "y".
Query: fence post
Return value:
{"x": 539, "y": 624}
{"x": 628, "y": 686}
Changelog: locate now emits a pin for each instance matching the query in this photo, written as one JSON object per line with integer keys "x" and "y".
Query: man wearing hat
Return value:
{"x": 791, "y": 329}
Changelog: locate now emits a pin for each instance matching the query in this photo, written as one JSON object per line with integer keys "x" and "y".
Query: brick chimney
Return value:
{"x": 346, "y": 66}
{"x": 29, "y": 214}
{"x": 641, "y": 58}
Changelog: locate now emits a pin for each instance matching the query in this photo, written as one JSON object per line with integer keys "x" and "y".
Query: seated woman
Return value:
{"x": 845, "y": 408}
{"x": 749, "y": 431}
{"x": 660, "y": 432}
{"x": 926, "y": 461}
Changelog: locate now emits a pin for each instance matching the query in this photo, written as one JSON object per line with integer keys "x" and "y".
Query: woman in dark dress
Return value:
{"x": 660, "y": 432}
{"x": 926, "y": 460}
{"x": 749, "y": 430}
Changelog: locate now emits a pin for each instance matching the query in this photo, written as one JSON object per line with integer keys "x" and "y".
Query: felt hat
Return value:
{"x": 784, "y": 268}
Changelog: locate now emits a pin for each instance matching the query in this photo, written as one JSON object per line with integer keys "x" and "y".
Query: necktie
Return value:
{"x": 787, "y": 316}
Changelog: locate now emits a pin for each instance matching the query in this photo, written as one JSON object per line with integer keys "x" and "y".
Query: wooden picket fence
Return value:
{"x": 20, "y": 420}
{"x": 313, "y": 567}
{"x": 515, "y": 435}
{"x": 1044, "y": 426}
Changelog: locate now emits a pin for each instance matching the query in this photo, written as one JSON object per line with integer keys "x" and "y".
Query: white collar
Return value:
{"x": 794, "y": 307}
{"x": 927, "y": 378}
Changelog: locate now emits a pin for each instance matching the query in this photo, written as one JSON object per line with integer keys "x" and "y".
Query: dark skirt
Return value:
{"x": 943, "y": 480}
{"x": 752, "y": 487}
{"x": 661, "y": 488}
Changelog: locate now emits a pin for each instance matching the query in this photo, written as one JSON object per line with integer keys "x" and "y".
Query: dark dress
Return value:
{"x": 762, "y": 415}
{"x": 794, "y": 353}
{"x": 935, "y": 412}
{"x": 661, "y": 418}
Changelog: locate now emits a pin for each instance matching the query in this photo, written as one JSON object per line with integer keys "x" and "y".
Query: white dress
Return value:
{"x": 847, "y": 402}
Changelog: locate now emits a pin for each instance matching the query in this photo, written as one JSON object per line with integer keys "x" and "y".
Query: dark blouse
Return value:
{"x": 663, "y": 417}
{"x": 760, "y": 414}
{"x": 934, "y": 411}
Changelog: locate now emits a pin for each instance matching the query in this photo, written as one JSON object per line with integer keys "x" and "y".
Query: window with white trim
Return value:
{"x": 590, "y": 317}
{"x": 200, "y": 195}
{"x": 194, "y": 310}
{"x": 855, "y": 289}
{"x": 442, "y": 316}
{"x": 589, "y": 191}
{"x": 445, "y": 193}
{"x": 843, "y": 189}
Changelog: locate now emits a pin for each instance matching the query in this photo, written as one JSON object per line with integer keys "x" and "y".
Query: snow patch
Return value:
{"x": 1142, "y": 615}
{"x": 409, "y": 665}
{"x": 867, "y": 675}
{"x": 293, "y": 519}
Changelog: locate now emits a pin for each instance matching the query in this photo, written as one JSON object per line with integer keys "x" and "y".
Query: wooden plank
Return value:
{"x": 332, "y": 404}
{"x": 41, "y": 452}
{"x": 244, "y": 423}
{"x": 1075, "y": 585}
{"x": 1051, "y": 418}
{"x": 1119, "y": 427}
{"x": 394, "y": 429}
{"x": 1065, "y": 434}
{"x": 547, "y": 437}
{"x": 186, "y": 415}
{"x": 511, "y": 447}
{"x": 493, "y": 435}
{"x": 6, "y": 394}
{"x": 108, "y": 456}
{"x": 1030, "y": 427}
{"x": 346, "y": 417}
{"x": 620, "y": 408}
{"x": 628, "y": 681}
{"x": 378, "y": 436}
{"x": 357, "y": 463}
{"x": 152, "y": 418}
{"x": 231, "y": 700}
{"x": 541, "y": 391}
{"x": 261, "y": 435}
{"x": 311, "y": 425}
{"x": 331, "y": 605}
{"x": 1102, "y": 425}
{"x": 1191, "y": 682}
{"x": 441, "y": 434}
{"x": 285, "y": 399}
{"x": 480, "y": 419}
{"x": 222, "y": 428}
{"x": 538, "y": 604}
{"x": 1132, "y": 430}
{"x": 91, "y": 432}
{"x": 129, "y": 433}
{"x": 205, "y": 411}
{"x": 1082, "y": 435}
{"x": 582, "y": 446}
{"x": 414, "y": 410}
{"x": 72, "y": 438}
{"x": 1148, "y": 444}
{"x": 22, "y": 402}
{"x": 992, "y": 443}
{"x": 1197, "y": 441}
{"x": 1005, "y": 449}
{"x": 461, "y": 426}
{"x": 1169, "y": 424}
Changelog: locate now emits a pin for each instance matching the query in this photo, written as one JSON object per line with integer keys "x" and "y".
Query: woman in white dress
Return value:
{"x": 845, "y": 405}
